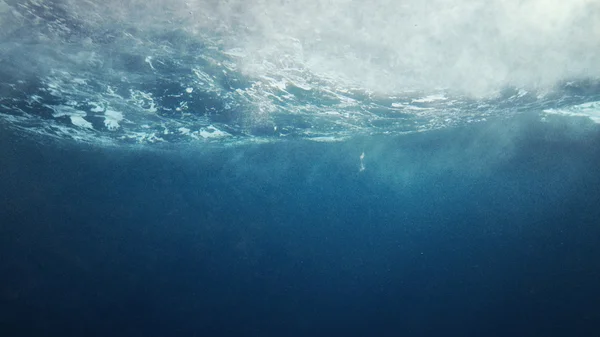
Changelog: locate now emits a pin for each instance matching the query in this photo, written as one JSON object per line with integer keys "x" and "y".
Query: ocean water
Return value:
{"x": 268, "y": 168}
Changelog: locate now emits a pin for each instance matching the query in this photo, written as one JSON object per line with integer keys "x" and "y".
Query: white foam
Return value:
{"x": 340, "y": 69}
{"x": 590, "y": 110}
{"x": 97, "y": 107}
{"x": 149, "y": 61}
{"x": 236, "y": 52}
{"x": 184, "y": 131}
{"x": 409, "y": 107}
{"x": 143, "y": 100}
{"x": 204, "y": 79}
{"x": 81, "y": 122}
{"x": 143, "y": 137}
{"x": 430, "y": 98}
{"x": 112, "y": 119}
{"x": 327, "y": 139}
{"x": 212, "y": 132}
{"x": 76, "y": 116}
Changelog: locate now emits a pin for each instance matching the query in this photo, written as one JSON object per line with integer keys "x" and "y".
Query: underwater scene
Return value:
{"x": 299, "y": 168}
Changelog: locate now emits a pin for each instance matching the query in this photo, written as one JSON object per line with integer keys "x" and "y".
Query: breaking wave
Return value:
{"x": 238, "y": 71}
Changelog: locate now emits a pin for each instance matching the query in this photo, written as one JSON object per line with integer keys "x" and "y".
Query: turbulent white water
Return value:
{"x": 229, "y": 71}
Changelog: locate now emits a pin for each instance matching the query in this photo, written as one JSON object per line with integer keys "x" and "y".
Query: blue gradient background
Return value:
{"x": 488, "y": 230}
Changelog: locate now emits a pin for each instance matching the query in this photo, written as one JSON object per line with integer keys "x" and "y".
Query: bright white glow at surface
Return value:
{"x": 211, "y": 70}
{"x": 388, "y": 45}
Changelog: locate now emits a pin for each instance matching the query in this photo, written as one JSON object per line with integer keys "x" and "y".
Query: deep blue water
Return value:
{"x": 315, "y": 168}
{"x": 486, "y": 230}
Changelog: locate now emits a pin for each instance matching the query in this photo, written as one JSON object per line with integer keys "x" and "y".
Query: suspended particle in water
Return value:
{"x": 362, "y": 163}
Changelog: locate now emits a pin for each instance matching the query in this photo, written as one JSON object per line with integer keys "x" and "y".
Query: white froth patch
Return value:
{"x": 184, "y": 131}
{"x": 143, "y": 137}
{"x": 149, "y": 61}
{"x": 203, "y": 78}
{"x": 430, "y": 98}
{"x": 522, "y": 93}
{"x": 327, "y": 139}
{"x": 590, "y": 110}
{"x": 212, "y": 132}
{"x": 278, "y": 84}
{"x": 112, "y": 119}
{"x": 64, "y": 110}
{"x": 236, "y": 52}
{"x": 302, "y": 85}
{"x": 144, "y": 100}
{"x": 189, "y": 90}
{"x": 76, "y": 116}
{"x": 409, "y": 107}
{"x": 81, "y": 122}
{"x": 97, "y": 107}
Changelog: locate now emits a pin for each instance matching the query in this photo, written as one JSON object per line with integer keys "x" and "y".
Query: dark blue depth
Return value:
{"x": 491, "y": 230}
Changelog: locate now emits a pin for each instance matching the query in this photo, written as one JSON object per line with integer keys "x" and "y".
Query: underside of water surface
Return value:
{"x": 230, "y": 72}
